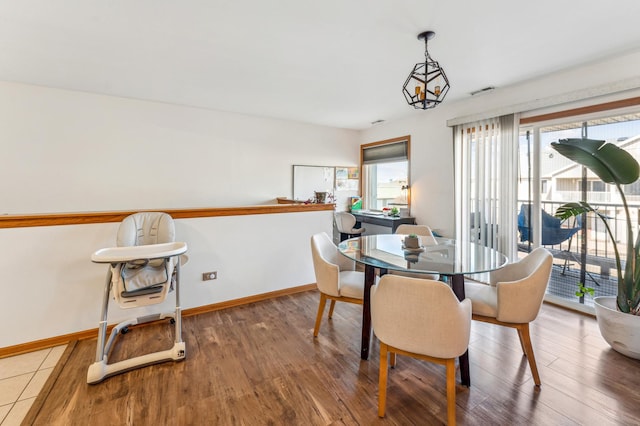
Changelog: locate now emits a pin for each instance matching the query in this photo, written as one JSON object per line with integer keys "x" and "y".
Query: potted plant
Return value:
{"x": 412, "y": 241}
{"x": 617, "y": 167}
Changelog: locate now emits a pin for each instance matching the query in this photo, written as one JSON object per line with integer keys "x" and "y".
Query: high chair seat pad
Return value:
{"x": 136, "y": 278}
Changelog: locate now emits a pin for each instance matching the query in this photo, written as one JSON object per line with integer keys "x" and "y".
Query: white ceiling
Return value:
{"x": 331, "y": 62}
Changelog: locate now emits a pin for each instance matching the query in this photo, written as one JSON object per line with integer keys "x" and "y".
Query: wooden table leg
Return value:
{"x": 457, "y": 285}
{"x": 369, "y": 279}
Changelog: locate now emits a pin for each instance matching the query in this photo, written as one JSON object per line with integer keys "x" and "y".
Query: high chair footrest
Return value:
{"x": 100, "y": 370}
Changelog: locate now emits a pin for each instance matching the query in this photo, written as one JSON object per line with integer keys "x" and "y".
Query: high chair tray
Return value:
{"x": 151, "y": 251}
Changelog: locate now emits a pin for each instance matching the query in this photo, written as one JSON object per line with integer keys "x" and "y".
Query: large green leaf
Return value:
{"x": 611, "y": 163}
{"x": 568, "y": 210}
{"x": 615, "y": 166}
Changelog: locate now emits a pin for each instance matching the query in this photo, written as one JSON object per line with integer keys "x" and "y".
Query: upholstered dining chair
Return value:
{"x": 422, "y": 319}
{"x": 346, "y": 222}
{"x": 336, "y": 276}
{"x": 420, "y": 230}
{"x": 427, "y": 238}
{"x": 513, "y": 298}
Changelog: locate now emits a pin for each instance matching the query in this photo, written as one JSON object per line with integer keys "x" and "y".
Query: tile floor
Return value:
{"x": 21, "y": 378}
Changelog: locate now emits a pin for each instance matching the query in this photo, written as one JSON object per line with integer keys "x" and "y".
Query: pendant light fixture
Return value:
{"x": 427, "y": 85}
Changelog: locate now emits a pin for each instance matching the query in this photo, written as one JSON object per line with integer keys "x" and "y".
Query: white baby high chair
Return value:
{"x": 143, "y": 268}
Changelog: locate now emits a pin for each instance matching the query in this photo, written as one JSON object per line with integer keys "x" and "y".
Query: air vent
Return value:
{"x": 485, "y": 90}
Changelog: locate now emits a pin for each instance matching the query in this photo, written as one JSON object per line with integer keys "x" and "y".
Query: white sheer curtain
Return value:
{"x": 486, "y": 161}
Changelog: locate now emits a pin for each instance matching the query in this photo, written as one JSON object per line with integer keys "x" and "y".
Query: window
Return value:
{"x": 385, "y": 173}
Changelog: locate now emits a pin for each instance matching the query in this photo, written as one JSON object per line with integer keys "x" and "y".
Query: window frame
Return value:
{"x": 364, "y": 176}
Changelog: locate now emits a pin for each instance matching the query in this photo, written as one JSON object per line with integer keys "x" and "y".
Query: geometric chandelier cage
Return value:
{"x": 427, "y": 85}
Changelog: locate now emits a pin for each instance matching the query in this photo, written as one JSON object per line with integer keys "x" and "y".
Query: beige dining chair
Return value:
{"x": 336, "y": 276}
{"x": 426, "y": 237}
{"x": 346, "y": 222}
{"x": 421, "y": 230}
{"x": 422, "y": 319}
{"x": 513, "y": 298}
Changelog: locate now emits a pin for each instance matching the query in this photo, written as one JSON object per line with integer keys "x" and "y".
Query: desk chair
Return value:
{"x": 346, "y": 222}
{"x": 513, "y": 298}
{"x": 143, "y": 268}
{"x": 422, "y": 319}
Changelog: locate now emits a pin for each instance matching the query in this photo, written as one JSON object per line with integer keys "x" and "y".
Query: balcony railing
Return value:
{"x": 599, "y": 261}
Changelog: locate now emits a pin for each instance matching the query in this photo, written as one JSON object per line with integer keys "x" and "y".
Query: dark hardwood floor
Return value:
{"x": 260, "y": 365}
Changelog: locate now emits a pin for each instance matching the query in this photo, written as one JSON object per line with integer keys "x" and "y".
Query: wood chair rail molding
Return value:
{"x": 56, "y": 219}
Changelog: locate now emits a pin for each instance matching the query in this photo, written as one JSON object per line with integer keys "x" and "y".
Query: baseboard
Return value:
{"x": 93, "y": 333}
{"x": 564, "y": 304}
{"x": 246, "y": 300}
{"x": 47, "y": 343}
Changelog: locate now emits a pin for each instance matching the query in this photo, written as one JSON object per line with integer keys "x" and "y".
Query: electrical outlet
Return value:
{"x": 206, "y": 276}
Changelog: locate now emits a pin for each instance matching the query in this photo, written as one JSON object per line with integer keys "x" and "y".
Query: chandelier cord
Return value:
{"x": 427, "y": 57}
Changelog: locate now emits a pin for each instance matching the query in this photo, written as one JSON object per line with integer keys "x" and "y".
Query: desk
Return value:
{"x": 449, "y": 258}
{"x": 377, "y": 223}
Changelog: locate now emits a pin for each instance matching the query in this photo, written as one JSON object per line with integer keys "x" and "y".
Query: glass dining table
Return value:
{"x": 451, "y": 259}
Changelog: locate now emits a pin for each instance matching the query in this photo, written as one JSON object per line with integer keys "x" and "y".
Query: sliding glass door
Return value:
{"x": 581, "y": 247}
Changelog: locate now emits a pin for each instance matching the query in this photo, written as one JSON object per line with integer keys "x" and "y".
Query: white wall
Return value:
{"x": 70, "y": 151}
{"x": 65, "y": 151}
{"x": 50, "y": 287}
{"x": 432, "y": 185}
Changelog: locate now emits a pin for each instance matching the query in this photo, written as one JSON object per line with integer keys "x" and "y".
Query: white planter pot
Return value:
{"x": 620, "y": 330}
